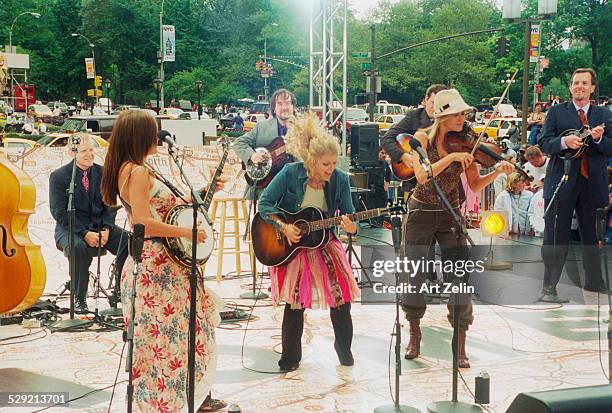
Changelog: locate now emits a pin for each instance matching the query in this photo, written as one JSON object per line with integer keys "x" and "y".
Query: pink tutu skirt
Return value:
{"x": 315, "y": 278}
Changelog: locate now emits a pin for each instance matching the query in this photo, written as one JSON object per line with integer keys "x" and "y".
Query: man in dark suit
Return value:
{"x": 91, "y": 215}
{"x": 587, "y": 186}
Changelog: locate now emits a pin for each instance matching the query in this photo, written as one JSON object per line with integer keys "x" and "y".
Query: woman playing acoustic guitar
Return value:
{"x": 428, "y": 221}
{"x": 319, "y": 277}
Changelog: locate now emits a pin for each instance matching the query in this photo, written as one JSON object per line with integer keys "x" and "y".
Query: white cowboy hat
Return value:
{"x": 449, "y": 102}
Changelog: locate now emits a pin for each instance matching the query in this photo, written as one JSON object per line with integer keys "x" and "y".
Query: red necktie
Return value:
{"x": 85, "y": 181}
{"x": 584, "y": 161}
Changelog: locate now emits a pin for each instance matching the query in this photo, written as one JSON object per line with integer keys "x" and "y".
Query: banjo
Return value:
{"x": 179, "y": 249}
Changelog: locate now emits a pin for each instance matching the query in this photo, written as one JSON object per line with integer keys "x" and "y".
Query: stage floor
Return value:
{"x": 522, "y": 348}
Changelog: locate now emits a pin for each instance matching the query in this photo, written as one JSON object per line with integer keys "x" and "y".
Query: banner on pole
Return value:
{"x": 169, "y": 43}
{"x": 534, "y": 48}
{"x": 89, "y": 67}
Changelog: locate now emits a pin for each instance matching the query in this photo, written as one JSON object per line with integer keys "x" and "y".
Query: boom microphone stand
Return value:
{"x": 72, "y": 323}
{"x": 136, "y": 250}
{"x": 253, "y": 294}
{"x": 396, "y": 407}
{"x": 453, "y": 406}
{"x": 196, "y": 203}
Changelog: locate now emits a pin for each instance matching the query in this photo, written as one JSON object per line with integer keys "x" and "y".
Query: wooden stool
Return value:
{"x": 236, "y": 205}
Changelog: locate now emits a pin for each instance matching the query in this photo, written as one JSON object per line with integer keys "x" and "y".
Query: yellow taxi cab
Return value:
{"x": 386, "y": 121}
{"x": 498, "y": 127}
{"x": 251, "y": 120}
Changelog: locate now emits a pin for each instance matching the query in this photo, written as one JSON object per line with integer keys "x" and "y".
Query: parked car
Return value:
{"x": 46, "y": 141}
{"x": 172, "y": 113}
{"x": 386, "y": 121}
{"x": 61, "y": 105}
{"x": 251, "y": 120}
{"x": 498, "y": 128}
{"x": 40, "y": 111}
{"x": 101, "y": 125}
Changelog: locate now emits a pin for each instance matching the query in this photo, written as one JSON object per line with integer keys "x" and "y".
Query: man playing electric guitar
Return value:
{"x": 586, "y": 188}
{"x": 282, "y": 106}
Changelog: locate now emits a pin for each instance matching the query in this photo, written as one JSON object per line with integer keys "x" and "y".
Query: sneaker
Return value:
{"x": 552, "y": 297}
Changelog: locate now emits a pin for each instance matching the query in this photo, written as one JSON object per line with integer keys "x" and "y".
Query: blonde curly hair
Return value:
{"x": 308, "y": 141}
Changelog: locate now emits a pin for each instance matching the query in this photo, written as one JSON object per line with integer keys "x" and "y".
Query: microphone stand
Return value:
{"x": 396, "y": 407}
{"x": 453, "y": 406}
{"x": 136, "y": 249}
{"x": 72, "y": 323}
{"x": 555, "y": 200}
{"x": 253, "y": 294}
{"x": 196, "y": 203}
{"x": 600, "y": 227}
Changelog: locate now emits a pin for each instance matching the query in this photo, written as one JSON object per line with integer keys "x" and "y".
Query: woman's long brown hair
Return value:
{"x": 134, "y": 133}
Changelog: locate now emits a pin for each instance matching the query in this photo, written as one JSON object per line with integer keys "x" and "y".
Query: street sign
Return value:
{"x": 89, "y": 67}
{"x": 538, "y": 88}
{"x": 364, "y": 55}
{"x": 366, "y": 66}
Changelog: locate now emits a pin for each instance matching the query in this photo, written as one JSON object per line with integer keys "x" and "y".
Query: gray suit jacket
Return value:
{"x": 262, "y": 134}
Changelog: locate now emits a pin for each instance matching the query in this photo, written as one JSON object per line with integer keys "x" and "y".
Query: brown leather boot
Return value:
{"x": 462, "y": 358}
{"x": 414, "y": 345}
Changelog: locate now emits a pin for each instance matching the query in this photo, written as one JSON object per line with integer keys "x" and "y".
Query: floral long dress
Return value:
{"x": 161, "y": 333}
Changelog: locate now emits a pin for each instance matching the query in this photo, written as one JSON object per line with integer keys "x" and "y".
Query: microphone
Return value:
{"x": 567, "y": 164}
{"x": 165, "y": 136}
{"x": 396, "y": 232}
{"x": 416, "y": 145}
{"x": 137, "y": 241}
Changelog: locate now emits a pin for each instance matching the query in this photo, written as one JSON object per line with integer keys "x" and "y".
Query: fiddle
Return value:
{"x": 22, "y": 268}
{"x": 485, "y": 153}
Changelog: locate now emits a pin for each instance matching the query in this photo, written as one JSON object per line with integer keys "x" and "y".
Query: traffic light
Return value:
{"x": 502, "y": 46}
{"x": 260, "y": 65}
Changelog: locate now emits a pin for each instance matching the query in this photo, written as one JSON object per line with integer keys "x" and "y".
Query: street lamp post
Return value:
{"x": 157, "y": 84}
{"x": 266, "y": 86}
{"x": 10, "y": 50}
{"x": 107, "y": 83}
{"x": 93, "y": 57}
{"x": 198, "y": 84}
{"x": 505, "y": 82}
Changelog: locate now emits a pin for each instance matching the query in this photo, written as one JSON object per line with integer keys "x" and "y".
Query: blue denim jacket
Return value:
{"x": 287, "y": 188}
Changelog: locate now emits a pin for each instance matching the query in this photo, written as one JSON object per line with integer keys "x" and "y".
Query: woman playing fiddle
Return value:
{"x": 428, "y": 221}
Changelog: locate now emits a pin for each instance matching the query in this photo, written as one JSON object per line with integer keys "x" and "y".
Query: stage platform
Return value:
{"x": 523, "y": 348}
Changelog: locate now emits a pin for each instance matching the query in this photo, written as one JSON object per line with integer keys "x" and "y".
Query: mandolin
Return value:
{"x": 271, "y": 246}
{"x": 587, "y": 139}
{"x": 22, "y": 268}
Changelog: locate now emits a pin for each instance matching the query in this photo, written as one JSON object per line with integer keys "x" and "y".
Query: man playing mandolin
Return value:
{"x": 586, "y": 188}
{"x": 282, "y": 106}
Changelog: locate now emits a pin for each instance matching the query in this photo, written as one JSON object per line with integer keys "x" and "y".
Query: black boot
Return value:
{"x": 80, "y": 305}
{"x": 343, "y": 332}
{"x": 293, "y": 326}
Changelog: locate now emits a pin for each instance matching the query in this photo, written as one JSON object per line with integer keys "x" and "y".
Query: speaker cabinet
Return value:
{"x": 591, "y": 399}
{"x": 364, "y": 144}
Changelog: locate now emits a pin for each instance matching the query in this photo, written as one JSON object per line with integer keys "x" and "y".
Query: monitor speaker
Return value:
{"x": 364, "y": 144}
{"x": 591, "y": 399}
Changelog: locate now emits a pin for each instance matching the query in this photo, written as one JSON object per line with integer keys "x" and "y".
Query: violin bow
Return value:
{"x": 495, "y": 112}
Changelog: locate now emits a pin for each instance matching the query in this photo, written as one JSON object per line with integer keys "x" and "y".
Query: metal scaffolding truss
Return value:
{"x": 328, "y": 64}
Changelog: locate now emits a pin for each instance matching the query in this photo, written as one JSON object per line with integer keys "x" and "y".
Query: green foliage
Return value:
{"x": 219, "y": 41}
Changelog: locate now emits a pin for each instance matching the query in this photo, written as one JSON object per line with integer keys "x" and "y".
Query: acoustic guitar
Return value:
{"x": 271, "y": 246}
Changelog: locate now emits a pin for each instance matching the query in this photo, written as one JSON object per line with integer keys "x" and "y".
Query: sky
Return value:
{"x": 362, "y": 7}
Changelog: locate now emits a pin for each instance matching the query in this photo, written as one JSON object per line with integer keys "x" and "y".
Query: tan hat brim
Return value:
{"x": 454, "y": 107}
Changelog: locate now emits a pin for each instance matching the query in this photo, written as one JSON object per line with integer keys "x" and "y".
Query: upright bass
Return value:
{"x": 22, "y": 268}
